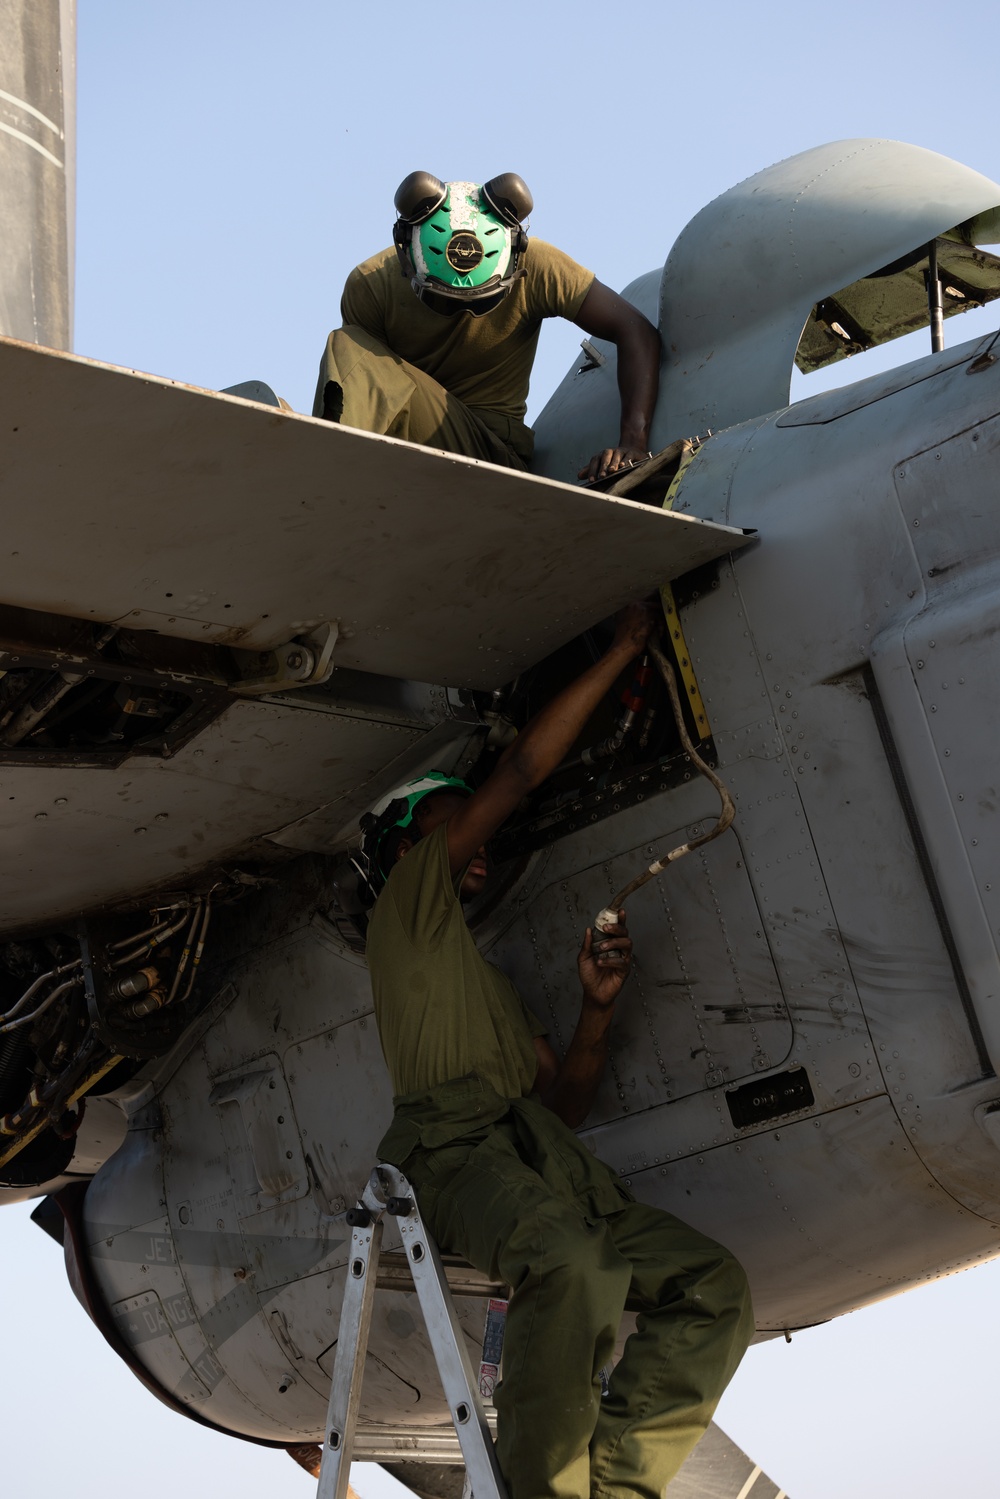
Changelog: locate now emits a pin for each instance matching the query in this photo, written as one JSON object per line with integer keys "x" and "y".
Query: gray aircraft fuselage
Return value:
{"x": 842, "y": 927}
{"x": 805, "y": 1064}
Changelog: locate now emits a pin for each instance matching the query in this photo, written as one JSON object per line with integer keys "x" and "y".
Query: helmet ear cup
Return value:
{"x": 418, "y": 195}
{"x": 508, "y": 196}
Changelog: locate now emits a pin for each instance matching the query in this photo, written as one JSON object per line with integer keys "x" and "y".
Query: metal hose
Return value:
{"x": 157, "y": 938}
{"x": 199, "y": 949}
{"x": 609, "y": 916}
{"x": 30, "y": 993}
{"x": 47, "y": 1002}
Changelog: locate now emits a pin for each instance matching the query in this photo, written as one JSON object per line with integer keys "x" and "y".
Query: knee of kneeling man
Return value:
{"x": 733, "y": 1284}
{"x": 722, "y": 1281}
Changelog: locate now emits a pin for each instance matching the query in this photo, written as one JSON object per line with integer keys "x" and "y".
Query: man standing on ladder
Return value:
{"x": 483, "y": 1129}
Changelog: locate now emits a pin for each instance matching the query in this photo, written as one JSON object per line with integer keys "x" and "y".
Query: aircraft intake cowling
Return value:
{"x": 768, "y": 275}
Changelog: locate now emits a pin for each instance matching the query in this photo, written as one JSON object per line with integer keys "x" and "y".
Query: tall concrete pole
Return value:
{"x": 37, "y": 169}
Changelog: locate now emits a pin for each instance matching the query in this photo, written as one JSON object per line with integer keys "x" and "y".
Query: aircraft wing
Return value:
{"x": 150, "y": 504}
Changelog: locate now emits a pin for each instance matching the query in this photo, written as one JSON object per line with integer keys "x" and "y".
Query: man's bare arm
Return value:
{"x": 569, "y": 1087}
{"x": 607, "y": 315}
{"x": 543, "y": 743}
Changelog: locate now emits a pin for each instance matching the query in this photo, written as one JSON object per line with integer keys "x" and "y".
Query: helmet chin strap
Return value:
{"x": 446, "y": 306}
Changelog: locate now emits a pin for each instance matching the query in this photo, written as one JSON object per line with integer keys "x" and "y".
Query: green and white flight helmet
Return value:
{"x": 393, "y": 813}
{"x": 461, "y": 243}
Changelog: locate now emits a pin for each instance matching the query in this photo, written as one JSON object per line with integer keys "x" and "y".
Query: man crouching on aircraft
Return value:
{"x": 440, "y": 331}
{"x": 483, "y": 1128}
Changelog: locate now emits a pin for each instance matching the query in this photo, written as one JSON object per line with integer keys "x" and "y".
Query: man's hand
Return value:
{"x": 604, "y": 963}
{"x": 604, "y": 314}
{"x": 634, "y": 625}
{"x": 612, "y": 461}
{"x": 569, "y": 1087}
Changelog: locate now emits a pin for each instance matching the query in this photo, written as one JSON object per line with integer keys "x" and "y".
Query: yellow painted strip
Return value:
{"x": 683, "y": 655}
{"x": 18, "y": 1145}
{"x": 744, "y": 1491}
{"x": 680, "y": 645}
{"x": 675, "y": 483}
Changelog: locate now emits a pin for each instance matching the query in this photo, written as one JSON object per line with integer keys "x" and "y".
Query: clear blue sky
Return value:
{"x": 235, "y": 161}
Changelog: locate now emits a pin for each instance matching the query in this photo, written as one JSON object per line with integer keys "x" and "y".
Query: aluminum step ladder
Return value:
{"x": 389, "y": 1193}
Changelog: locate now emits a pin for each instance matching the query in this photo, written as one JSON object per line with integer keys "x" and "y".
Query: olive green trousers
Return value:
{"x": 571, "y": 1274}
{"x": 363, "y": 384}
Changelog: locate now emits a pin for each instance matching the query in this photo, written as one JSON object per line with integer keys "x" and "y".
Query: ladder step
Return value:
{"x": 463, "y": 1279}
{"x": 420, "y": 1268}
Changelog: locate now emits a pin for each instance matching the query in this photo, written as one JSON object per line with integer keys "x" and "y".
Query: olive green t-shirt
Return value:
{"x": 484, "y": 361}
{"x": 442, "y": 1011}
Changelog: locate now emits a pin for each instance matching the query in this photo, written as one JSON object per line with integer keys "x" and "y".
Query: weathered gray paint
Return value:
{"x": 148, "y": 503}
{"x": 848, "y": 664}
{"x": 117, "y": 832}
{"x": 807, "y": 936}
{"x": 746, "y": 272}
{"x": 37, "y": 169}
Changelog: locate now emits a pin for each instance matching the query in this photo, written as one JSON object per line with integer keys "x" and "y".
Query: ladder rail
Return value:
{"x": 349, "y": 1361}
{"x": 451, "y": 1355}
{"x": 389, "y": 1192}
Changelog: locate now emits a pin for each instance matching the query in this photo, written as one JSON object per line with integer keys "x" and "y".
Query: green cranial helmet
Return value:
{"x": 391, "y": 815}
{"x": 461, "y": 243}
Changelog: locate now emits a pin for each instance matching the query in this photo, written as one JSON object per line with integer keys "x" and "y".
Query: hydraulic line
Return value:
{"x": 30, "y": 993}
{"x": 189, "y": 942}
{"x": 199, "y": 949}
{"x": 47, "y": 1002}
{"x": 646, "y": 729}
{"x": 194, "y": 943}
{"x": 150, "y": 930}
{"x": 633, "y": 699}
{"x": 160, "y": 936}
{"x": 608, "y": 918}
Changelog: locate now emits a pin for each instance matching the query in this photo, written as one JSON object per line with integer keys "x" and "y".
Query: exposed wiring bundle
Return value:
{"x": 106, "y": 1017}
{"x": 608, "y": 918}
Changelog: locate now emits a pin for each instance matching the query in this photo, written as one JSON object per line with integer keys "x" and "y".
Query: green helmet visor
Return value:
{"x": 464, "y": 250}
